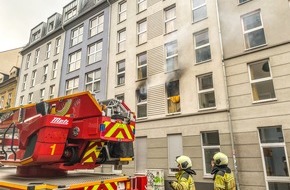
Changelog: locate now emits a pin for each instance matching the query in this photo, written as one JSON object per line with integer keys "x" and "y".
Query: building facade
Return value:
{"x": 255, "y": 40}
{"x": 41, "y": 62}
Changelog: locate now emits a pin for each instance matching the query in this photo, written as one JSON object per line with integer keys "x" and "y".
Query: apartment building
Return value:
{"x": 41, "y": 62}
{"x": 84, "y": 68}
{"x": 255, "y": 38}
{"x": 166, "y": 63}
{"x": 10, "y": 61}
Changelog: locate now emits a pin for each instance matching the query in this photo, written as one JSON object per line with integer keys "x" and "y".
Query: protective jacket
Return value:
{"x": 223, "y": 178}
{"x": 184, "y": 180}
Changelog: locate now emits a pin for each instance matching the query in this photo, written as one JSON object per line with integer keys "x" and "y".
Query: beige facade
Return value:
{"x": 256, "y": 47}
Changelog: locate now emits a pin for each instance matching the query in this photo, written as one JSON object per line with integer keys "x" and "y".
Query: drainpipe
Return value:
{"x": 108, "y": 49}
{"x": 227, "y": 99}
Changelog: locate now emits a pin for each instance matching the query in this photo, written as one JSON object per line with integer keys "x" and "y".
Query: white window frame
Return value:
{"x": 142, "y": 32}
{"x": 170, "y": 21}
{"x": 122, "y": 13}
{"x": 78, "y": 38}
{"x": 121, "y": 40}
{"x": 97, "y": 25}
{"x": 141, "y": 66}
{"x": 28, "y": 58}
{"x": 70, "y": 11}
{"x": 21, "y": 101}
{"x": 57, "y": 45}
{"x": 33, "y": 78}
{"x": 141, "y": 102}
{"x": 45, "y": 72}
{"x": 30, "y": 98}
{"x": 204, "y": 147}
{"x": 198, "y": 47}
{"x": 74, "y": 87}
{"x": 48, "y": 50}
{"x": 74, "y": 61}
{"x": 120, "y": 96}
{"x": 282, "y": 179}
{"x": 96, "y": 79}
{"x": 51, "y": 91}
{"x": 196, "y": 8}
{"x": 54, "y": 69}
{"x": 35, "y": 35}
{"x": 175, "y": 148}
{"x": 246, "y": 32}
{"x": 174, "y": 56}
{"x": 42, "y": 94}
{"x": 141, "y": 5}
{"x": 205, "y": 91}
{"x": 121, "y": 72}
{"x": 96, "y": 54}
{"x": 37, "y": 53}
{"x": 173, "y": 102}
{"x": 9, "y": 100}
{"x": 24, "y": 84}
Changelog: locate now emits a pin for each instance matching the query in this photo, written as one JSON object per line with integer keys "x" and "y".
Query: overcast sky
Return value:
{"x": 18, "y": 17}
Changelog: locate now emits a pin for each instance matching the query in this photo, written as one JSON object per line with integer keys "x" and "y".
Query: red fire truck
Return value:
{"x": 57, "y": 143}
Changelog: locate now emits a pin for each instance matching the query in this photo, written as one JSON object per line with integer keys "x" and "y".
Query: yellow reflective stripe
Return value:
{"x": 123, "y": 127}
{"x": 94, "y": 150}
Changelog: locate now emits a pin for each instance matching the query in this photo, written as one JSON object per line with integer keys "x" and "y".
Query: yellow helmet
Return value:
{"x": 184, "y": 161}
{"x": 220, "y": 159}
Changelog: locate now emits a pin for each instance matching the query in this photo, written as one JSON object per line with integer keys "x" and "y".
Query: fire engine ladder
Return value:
{"x": 13, "y": 126}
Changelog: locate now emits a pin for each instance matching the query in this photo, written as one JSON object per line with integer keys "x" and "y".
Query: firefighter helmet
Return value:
{"x": 220, "y": 159}
{"x": 183, "y": 161}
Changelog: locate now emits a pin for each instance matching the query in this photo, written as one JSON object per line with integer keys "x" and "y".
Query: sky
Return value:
{"x": 18, "y": 17}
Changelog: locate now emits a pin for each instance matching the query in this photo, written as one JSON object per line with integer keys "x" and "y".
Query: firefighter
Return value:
{"x": 184, "y": 175}
{"x": 223, "y": 176}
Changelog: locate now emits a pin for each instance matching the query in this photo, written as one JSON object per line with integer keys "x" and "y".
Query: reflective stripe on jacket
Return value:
{"x": 184, "y": 181}
{"x": 224, "y": 181}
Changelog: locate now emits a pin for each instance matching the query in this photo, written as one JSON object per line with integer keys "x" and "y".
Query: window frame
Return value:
{"x": 28, "y": 59}
{"x": 96, "y": 53}
{"x": 99, "y": 27}
{"x": 199, "y": 47}
{"x": 33, "y": 78}
{"x": 51, "y": 91}
{"x": 24, "y": 84}
{"x": 141, "y": 103}
{"x": 54, "y": 69}
{"x": 141, "y": 33}
{"x": 30, "y": 98}
{"x": 121, "y": 43}
{"x": 74, "y": 65}
{"x": 174, "y": 99}
{"x": 78, "y": 38}
{"x": 141, "y": 3}
{"x": 42, "y": 94}
{"x": 48, "y": 50}
{"x": 122, "y": 12}
{"x": 45, "y": 73}
{"x": 174, "y": 56}
{"x": 37, "y": 54}
{"x": 196, "y": 8}
{"x": 171, "y": 20}
{"x": 95, "y": 80}
{"x": 75, "y": 85}
{"x": 205, "y": 91}
{"x": 141, "y": 66}
{"x": 121, "y": 72}
{"x": 57, "y": 45}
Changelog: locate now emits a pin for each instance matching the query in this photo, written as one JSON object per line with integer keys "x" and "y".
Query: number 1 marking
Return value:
{"x": 52, "y": 149}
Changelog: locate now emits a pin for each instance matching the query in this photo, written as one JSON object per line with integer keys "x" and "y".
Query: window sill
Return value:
{"x": 256, "y": 47}
{"x": 141, "y": 44}
{"x": 266, "y": 100}
{"x": 206, "y": 61}
{"x": 173, "y": 114}
{"x": 141, "y": 11}
{"x": 141, "y": 118}
{"x": 120, "y": 85}
{"x": 194, "y": 22}
{"x": 168, "y": 33}
{"x": 206, "y": 109}
{"x": 145, "y": 78}
{"x": 120, "y": 52}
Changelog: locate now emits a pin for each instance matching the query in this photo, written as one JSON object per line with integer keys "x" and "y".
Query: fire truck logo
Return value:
{"x": 57, "y": 120}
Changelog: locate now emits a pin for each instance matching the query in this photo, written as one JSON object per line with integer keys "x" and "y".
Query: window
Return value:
{"x": 36, "y": 60}
{"x": 96, "y": 25}
{"x": 50, "y": 26}
{"x": 261, "y": 81}
{"x": 141, "y": 5}
{"x": 93, "y": 81}
{"x": 9, "y": 99}
{"x": 171, "y": 56}
{"x": 35, "y": 35}
{"x": 175, "y": 149}
{"x": 24, "y": 82}
{"x": 122, "y": 11}
{"x": 72, "y": 86}
{"x": 2, "y": 102}
{"x": 173, "y": 97}
{"x": 57, "y": 45}
{"x": 142, "y": 66}
{"x": 45, "y": 71}
{"x": 142, "y": 32}
{"x": 202, "y": 47}
{"x": 33, "y": 78}
{"x": 141, "y": 154}
{"x": 48, "y": 49}
{"x": 121, "y": 40}
{"x": 275, "y": 159}
{"x": 54, "y": 69}
{"x": 27, "y": 61}
{"x": 206, "y": 91}
{"x": 170, "y": 19}
{"x": 74, "y": 61}
{"x": 120, "y": 97}
{"x": 95, "y": 52}
{"x": 30, "y": 97}
{"x": 42, "y": 93}
{"x": 210, "y": 145}
{"x": 253, "y": 30}
{"x": 77, "y": 35}
{"x": 121, "y": 72}
{"x": 141, "y": 94}
{"x": 70, "y": 11}
{"x": 21, "y": 102}
{"x": 51, "y": 91}
{"x": 199, "y": 11}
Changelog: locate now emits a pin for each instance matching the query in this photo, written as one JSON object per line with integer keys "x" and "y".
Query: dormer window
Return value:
{"x": 36, "y": 35}
{"x": 50, "y": 26}
{"x": 70, "y": 11}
